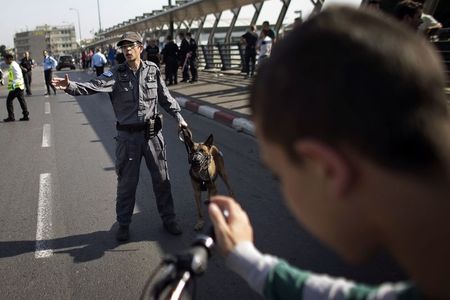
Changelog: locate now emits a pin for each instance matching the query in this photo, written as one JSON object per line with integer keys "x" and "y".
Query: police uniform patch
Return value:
{"x": 108, "y": 74}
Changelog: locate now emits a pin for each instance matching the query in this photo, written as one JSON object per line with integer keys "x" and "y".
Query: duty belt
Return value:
{"x": 135, "y": 127}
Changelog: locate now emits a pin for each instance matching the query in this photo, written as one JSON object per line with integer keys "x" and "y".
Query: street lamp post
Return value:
{"x": 99, "y": 20}
{"x": 171, "y": 21}
{"x": 79, "y": 25}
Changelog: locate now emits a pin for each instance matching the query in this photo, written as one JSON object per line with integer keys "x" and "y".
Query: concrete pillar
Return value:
{"x": 235, "y": 12}
{"x": 282, "y": 15}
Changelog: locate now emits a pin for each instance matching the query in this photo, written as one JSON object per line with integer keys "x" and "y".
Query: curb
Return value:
{"x": 240, "y": 124}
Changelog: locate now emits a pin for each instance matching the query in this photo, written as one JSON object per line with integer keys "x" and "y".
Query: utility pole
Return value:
{"x": 99, "y": 19}
{"x": 79, "y": 25}
{"x": 171, "y": 20}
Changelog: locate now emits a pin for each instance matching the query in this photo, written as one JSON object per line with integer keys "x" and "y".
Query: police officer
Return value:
{"x": 16, "y": 87}
{"x": 170, "y": 58}
{"x": 183, "y": 53}
{"x": 135, "y": 87}
{"x": 26, "y": 64}
{"x": 192, "y": 57}
{"x": 152, "y": 51}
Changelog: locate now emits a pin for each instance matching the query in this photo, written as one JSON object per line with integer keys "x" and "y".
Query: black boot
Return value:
{"x": 9, "y": 119}
{"x": 123, "y": 233}
{"x": 172, "y": 227}
{"x": 25, "y": 117}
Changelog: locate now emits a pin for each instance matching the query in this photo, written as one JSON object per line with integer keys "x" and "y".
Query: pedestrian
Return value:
{"x": 99, "y": 61}
{"x": 362, "y": 159}
{"x": 191, "y": 61}
{"x": 112, "y": 55}
{"x": 249, "y": 39}
{"x": 135, "y": 88}
{"x": 268, "y": 31}
{"x": 152, "y": 51}
{"x": 170, "y": 59}
{"x": 49, "y": 64}
{"x": 264, "y": 45}
{"x": 16, "y": 87}
{"x": 27, "y": 64}
{"x": 83, "y": 59}
{"x": 183, "y": 56}
{"x": 429, "y": 25}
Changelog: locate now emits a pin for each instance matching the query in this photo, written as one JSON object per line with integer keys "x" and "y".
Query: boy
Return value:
{"x": 362, "y": 154}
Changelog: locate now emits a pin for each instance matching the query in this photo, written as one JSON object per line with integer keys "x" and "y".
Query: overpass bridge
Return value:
{"x": 192, "y": 15}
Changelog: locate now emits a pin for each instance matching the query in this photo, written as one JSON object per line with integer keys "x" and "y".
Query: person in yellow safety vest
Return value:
{"x": 16, "y": 86}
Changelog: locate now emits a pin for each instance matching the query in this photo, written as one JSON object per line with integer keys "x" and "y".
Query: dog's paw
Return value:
{"x": 199, "y": 225}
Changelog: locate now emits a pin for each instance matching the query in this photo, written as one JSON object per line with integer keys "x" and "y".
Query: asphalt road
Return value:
{"x": 63, "y": 194}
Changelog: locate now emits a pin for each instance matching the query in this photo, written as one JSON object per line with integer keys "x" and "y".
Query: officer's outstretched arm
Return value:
{"x": 61, "y": 83}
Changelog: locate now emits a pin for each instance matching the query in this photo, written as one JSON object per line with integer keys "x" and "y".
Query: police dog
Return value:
{"x": 206, "y": 163}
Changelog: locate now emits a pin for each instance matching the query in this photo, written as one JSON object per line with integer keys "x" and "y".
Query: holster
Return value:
{"x": 153, "y": 126}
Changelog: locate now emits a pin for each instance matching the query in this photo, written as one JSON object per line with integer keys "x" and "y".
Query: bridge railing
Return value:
{"x": 222, "y": 56}
{"x": 443, "y": 48}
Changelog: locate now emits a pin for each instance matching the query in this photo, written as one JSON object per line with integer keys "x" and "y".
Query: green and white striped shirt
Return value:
{"x": 276, "y": 279}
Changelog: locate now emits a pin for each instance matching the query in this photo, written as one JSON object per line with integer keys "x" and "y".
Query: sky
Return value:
{"x": 23, "y": 15}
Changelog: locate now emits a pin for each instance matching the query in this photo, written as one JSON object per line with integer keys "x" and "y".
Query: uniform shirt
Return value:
{"x": 250, "y": 41}
{"x": 170, "y": 52}
{"x": 134, "y": 97}
{"x": 49, "y": 63}
{"x": 98, "y": 60}
{"x": 26, "y": 64}
{"x": 184, "y": 48}
{"x": 193, "y": 47}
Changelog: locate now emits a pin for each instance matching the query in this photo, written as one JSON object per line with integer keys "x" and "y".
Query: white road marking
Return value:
{"x": 47, "y": 107}
{"x": 44, "y": 218}
{"x": 46, "y": 136}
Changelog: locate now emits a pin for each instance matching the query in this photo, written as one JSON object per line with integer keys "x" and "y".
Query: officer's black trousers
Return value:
{"x": 250, "y": 62}
{"x": 130, "y": 149}
{"x": 191, "y": 64}
{"x": 171, "y": 71}
{"x": 27, "y": 81}
{"x": 17, "y": 93}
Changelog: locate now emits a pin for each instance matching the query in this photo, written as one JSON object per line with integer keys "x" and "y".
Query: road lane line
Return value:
{"x": 46, "y": 136}
{"x": 44, "y": 218}
{"x": 47, "y": 108}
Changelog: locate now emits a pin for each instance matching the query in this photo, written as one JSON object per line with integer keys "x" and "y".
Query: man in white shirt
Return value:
{"x": 16, "y": 86}
{"x": 98, "y": 62}
{"x": 264, "y": 46}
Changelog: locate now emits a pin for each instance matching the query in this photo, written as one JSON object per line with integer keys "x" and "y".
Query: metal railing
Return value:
{"x": 222, "y": 56}
{"x": 443, "y": 47}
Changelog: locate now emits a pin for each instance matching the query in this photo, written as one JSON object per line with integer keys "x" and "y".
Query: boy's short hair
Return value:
{"x": 9, "y": 56}
{"x": 353, "y": 78}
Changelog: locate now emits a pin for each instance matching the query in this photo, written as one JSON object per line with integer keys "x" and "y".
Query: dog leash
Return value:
{"x": 183, "y": 134}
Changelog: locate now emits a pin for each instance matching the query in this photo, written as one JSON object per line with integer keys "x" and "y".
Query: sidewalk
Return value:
{"x": 218, "y": 96}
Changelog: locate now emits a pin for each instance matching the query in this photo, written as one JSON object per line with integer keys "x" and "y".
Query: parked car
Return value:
{"x": 66, "y": 61}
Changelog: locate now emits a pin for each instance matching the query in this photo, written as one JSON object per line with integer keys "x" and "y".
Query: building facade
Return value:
{"x": 58, "y": 40}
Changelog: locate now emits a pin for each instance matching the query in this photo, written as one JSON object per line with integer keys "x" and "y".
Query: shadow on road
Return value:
{"x": 91, "y": 246}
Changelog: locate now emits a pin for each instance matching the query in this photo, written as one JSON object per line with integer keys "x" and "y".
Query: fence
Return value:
{"x": 222, "y": 56}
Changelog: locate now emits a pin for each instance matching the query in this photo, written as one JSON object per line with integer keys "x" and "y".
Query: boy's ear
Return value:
{"x": 329, "y": 163}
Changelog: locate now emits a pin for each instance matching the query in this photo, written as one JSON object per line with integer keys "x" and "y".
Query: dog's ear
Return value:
{"x": 209, "y": 141}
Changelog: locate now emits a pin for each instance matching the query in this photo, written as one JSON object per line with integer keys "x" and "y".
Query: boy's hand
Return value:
{"x": 61, "y": 83}
{"x": 232, "y": 230}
